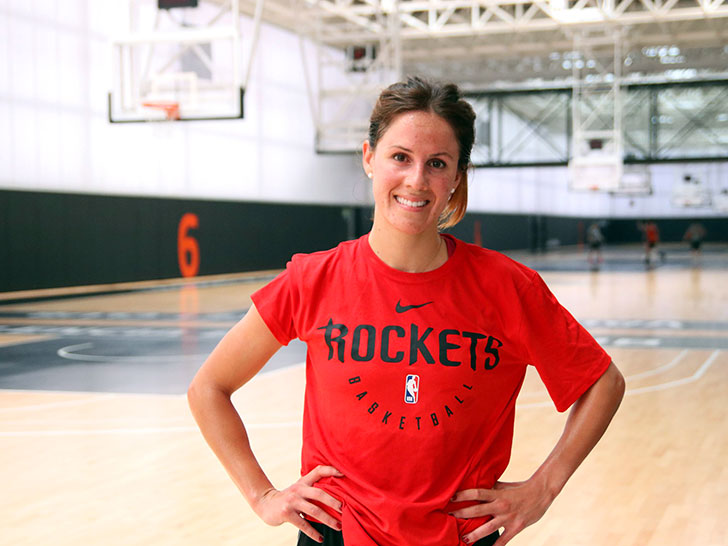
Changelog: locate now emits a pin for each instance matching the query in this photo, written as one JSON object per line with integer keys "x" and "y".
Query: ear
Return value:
{"x": 458, "y": 179}
{"x": 367, "y": 155}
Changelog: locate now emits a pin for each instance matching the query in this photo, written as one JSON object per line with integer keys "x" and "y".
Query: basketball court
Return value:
{"x": 165, "y": 159}
{"x": 98, "y": 445}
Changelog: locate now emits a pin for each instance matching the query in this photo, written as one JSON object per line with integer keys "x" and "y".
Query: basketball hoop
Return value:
{"x": 170, "y": 109}
{"x": 595, "y": 173}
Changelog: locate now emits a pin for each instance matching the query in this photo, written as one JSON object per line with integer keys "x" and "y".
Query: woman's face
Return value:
{"x": 414, "y": 171}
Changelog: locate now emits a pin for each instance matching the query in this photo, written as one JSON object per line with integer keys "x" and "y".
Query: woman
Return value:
{"x": 417, "y": 348}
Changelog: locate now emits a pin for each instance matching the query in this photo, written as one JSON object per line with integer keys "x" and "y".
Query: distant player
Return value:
{"x": 594, "y": 239}
{"x": 652, "y": 239}
{"x": 695, "y": 234}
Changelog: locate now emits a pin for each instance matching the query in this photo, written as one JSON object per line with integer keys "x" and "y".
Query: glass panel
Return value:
{"x": 692, "y": 122}
{"x": 533, "y": 128}
{"x": 659, "y": 122}
{"x": 596, "y": 110}
{"x": 636, "y": 123}
{"x": 482, "y": 152}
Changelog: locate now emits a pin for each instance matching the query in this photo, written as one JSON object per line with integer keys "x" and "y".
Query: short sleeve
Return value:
{"x": 276, "y": 304}
{"x": 567, "y": 357}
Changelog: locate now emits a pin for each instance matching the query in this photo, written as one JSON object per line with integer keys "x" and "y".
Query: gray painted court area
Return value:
{"x": 163, "y": 360}
{"x": 159, "y": 352}
{"x": 154, "y": 360}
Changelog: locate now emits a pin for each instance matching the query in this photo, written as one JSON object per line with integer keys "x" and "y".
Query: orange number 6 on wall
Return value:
{"x": 188, "y": 250}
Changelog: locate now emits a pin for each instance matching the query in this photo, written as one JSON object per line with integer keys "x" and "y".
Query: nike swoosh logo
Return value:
{"x": 402, "y": 308}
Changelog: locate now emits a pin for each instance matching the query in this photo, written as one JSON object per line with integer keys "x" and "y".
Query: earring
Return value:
{"x": 370, "y": 175}
{"x": 452, "y": 191}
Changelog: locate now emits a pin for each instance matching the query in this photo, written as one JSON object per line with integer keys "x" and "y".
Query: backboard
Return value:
{"x": 188, "y": 57}
{"x": 595, "y": 172}
{"x": 720, "y": 200}
{"x": 690, "y": 191}
{"x": 636, "y": 180}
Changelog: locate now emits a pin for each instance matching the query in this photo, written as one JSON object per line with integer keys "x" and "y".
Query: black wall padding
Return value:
{"x": 52, "y": 240}
{"x": 671, "y": 230}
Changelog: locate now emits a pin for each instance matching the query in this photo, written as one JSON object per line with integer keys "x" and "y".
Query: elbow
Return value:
{"x": 192, "y": 394}
{"x": 621, "y": 385}
{"x": 195, "y": 394}
{"x": 204, "y": 392}
{"x": 617, "y": 385}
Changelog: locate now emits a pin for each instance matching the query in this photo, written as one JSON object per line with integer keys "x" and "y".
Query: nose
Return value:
{"x": 417, "y": 177}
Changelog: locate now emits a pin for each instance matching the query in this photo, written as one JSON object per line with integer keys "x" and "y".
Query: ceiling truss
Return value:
{"x": 501, "y": 44}
{"x": 482, "y": 43}
{"x": 349, "y": 20}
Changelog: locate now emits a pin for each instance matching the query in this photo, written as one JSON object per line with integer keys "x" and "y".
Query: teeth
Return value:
{"x": 409, "y": 203}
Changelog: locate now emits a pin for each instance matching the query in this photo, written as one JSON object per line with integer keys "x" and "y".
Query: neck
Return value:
{"x": 412, "y": 253}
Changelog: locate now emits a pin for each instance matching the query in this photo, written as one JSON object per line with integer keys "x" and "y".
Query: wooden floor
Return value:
{"x": 111, "y": 466}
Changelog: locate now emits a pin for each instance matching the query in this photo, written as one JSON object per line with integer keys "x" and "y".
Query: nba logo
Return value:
{"x": 411, "y": 389}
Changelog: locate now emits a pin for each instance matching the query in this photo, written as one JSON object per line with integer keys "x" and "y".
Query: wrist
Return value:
{"x": 255, "y": 499}
{"x": 548, "y": 483}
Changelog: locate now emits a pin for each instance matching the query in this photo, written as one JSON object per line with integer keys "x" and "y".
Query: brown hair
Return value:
{"x": 445, "y": 100}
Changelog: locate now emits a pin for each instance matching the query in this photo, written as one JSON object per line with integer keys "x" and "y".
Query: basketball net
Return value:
{"x": 170, "y": 108}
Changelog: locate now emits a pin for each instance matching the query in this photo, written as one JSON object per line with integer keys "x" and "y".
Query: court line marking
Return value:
{"x": 68, "y": 354}
{"x": 699, "y": 373}
{"x": 674, "y": 362}
{"x": 134, "y": 431}
{"x": 58, "y": 404}
{"x": 88, "y": 393}
{"x": 660, "y": 369}
{"x": 94, "y": 397}
{"x": 648, "y": 373}
{"x": 94, "y": 432}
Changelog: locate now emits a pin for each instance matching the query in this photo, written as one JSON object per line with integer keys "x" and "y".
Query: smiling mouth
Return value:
{"x": 408, "y": 203}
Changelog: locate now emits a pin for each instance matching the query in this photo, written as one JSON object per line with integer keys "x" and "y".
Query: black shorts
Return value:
{"x": 335, "y": 538}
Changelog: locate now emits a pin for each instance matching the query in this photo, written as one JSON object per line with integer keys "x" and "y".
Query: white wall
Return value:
{"x": 544, "y": 190}
{"x": 55, "y": 72}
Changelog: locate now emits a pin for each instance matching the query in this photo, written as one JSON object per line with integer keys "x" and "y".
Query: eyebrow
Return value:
{"x": 403, "y": 148}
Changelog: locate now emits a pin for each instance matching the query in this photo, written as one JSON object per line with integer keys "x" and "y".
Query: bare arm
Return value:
{"x": 238, "y": 357}
{"x": 515, "y": 506}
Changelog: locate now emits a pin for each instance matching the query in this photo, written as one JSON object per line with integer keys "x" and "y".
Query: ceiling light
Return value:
{"x": 668, "y": 59}
{"x": 681, "y": 73}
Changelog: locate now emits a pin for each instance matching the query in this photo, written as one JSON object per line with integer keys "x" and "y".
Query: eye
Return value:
{"x": 399, "y": 156}
{"x": 438, "y": 163}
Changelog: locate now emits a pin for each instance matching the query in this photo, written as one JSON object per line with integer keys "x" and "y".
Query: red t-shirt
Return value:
{"x": 412, "y": 378}
{"x": 652, "y": 233}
